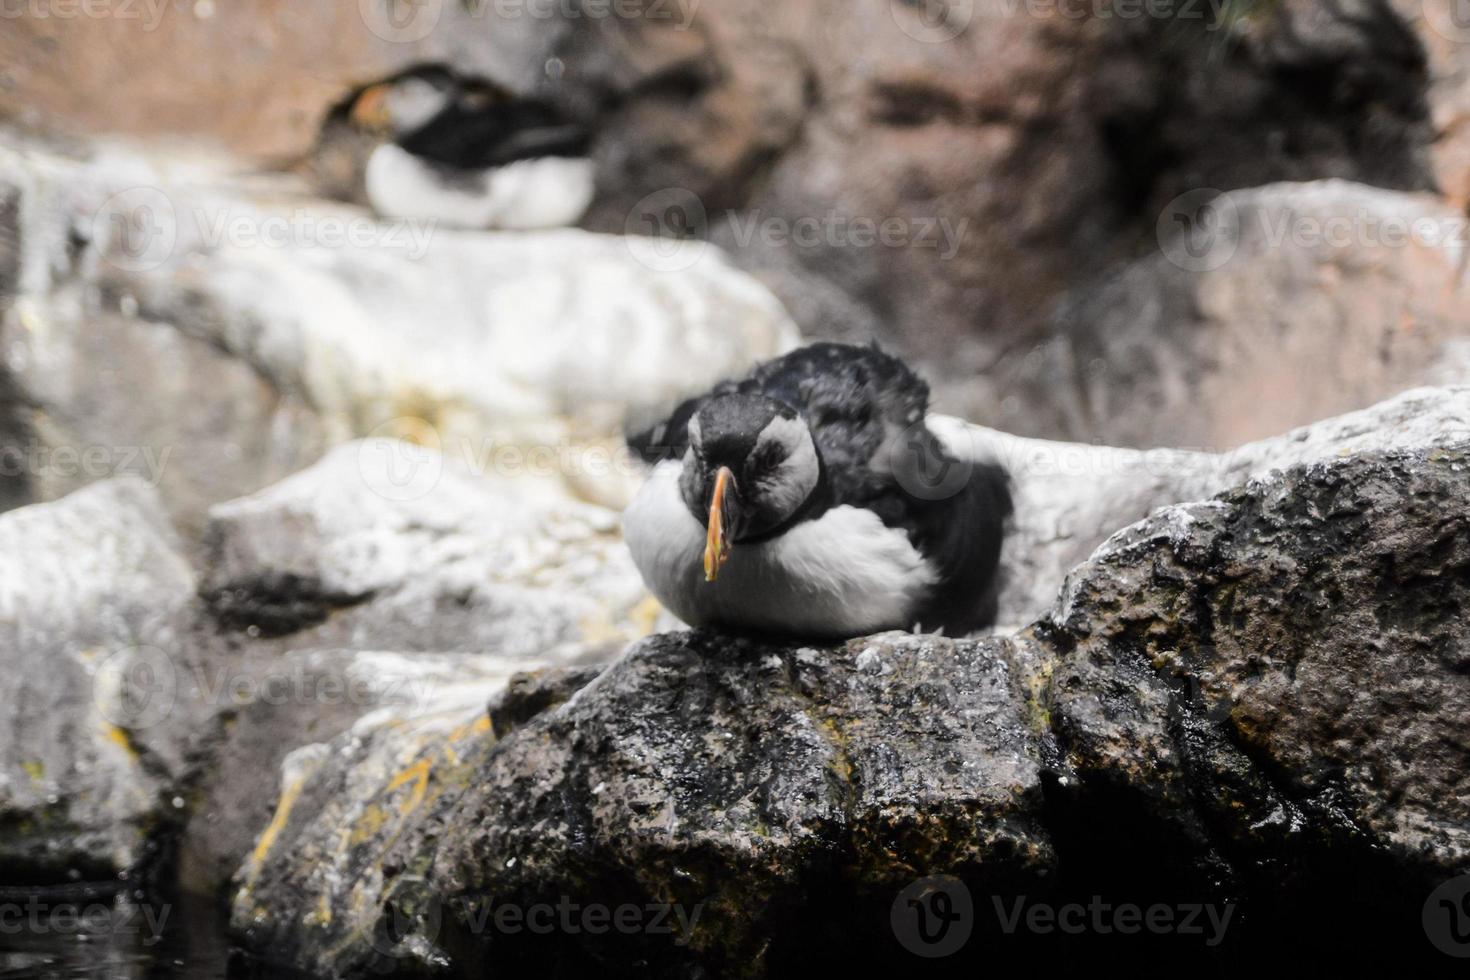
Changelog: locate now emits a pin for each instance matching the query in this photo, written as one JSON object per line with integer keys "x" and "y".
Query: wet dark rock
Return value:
{"x": 530, "y": 694}
{"x": 277, "y": 605}
{"x": 1255, "y": 699}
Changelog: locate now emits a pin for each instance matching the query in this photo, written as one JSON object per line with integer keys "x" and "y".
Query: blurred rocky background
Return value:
{"x": 1044, "y": 170}
{"x": 292, "y": 492}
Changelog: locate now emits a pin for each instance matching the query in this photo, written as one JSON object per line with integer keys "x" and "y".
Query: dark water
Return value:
{"x": 94, "y": 933}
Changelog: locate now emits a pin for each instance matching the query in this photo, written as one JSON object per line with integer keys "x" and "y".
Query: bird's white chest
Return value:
{"x": 521, "y": 196}
{"x": 843, "y": 574}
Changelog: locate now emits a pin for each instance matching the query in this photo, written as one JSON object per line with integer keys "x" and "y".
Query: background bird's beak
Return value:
{"x": 716, "y": 547}
{"x": 370, "y": 111}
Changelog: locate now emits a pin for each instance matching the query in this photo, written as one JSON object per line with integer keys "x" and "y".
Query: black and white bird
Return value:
{"x": 812, "y": 499}
{"x": 461, "y": 152}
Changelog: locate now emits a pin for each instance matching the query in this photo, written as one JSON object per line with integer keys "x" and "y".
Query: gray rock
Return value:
{"x": 1071, "y": 497}
{"x": 1290, "y": 658}
{"x": 1261, "y": 309}
{"x": 94, "y": 598}
{"x": 530, "y": 694}
{"x": 1050, "y": 146}
{"x": 267, "y": 326}
{"x": 301, "y": 698}
{"x": 1252, "y": 699}
{"x": 386, "y": 545}
{"x": 1017, "y": 156}
{"x": 143, "y": 706}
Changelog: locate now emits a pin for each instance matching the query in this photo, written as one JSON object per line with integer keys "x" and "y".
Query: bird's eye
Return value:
{"x": 764, "y": 460}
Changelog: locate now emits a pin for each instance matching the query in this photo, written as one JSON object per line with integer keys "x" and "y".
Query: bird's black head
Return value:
{"x": 408, "y": 102}
{"x": 751, "y": 465}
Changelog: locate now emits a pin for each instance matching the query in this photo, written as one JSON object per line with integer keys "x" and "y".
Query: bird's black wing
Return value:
{"x": 857, "y": 401}
{"x": 495, "y": 135}
{"x": 669, "y": 437}
{"x": 867, "y": 413}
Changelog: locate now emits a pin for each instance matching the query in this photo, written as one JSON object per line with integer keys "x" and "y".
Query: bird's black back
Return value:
{"x": 866, "y": 411}
{"x": 474, "y": 137}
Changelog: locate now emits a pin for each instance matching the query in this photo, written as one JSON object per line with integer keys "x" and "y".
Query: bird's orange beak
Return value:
{"x": 370, "y": 111}
{"x": 716, "y": 548}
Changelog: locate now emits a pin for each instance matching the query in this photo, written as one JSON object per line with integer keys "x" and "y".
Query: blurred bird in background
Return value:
{"x": 432, "y": 145}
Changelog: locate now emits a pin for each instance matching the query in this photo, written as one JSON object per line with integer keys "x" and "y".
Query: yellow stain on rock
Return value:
{"x": 119, "y": 738}
{"x": 322, "y": 914}
{"x": 367, "y": 825}
{"x": 277, "y": 824}
{"x": 418, "y": 774}
{"x": 34, "y": 769}
{"x": 645, "y": 615}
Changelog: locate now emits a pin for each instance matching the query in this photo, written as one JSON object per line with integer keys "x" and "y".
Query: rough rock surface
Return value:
{"x": 1072, "y": 497}
{"x": 76, "y": 71}
{"x": 93, "y": 597}
{"x": 367, "y": 584}
{"x": 387, "y": 545}
{"x": 266, "y": 326}
{"x": 1234, "y": 700}
{"x": 1268, "y": 308}
{"x": 302, "y": 698}
{"x": 1017, "y": 151}
{"x": 146, "y": 704}
{"x": 1444, "y": 33}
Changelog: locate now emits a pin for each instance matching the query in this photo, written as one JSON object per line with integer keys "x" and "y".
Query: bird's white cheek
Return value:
{"x": 788, "y": 486}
